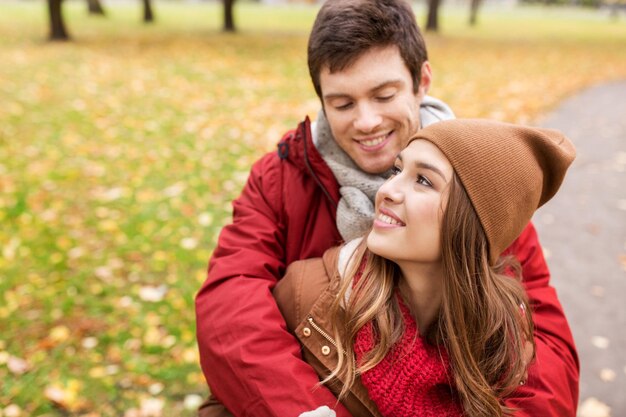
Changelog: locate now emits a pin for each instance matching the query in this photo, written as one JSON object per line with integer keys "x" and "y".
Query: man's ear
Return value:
{"x": 425, "y": 79}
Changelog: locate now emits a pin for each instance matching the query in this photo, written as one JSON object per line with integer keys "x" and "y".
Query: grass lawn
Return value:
{"x": 121, "y": 151}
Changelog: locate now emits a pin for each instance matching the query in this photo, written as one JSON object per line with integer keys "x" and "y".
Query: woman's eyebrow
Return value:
{"x": 425, "y": 165}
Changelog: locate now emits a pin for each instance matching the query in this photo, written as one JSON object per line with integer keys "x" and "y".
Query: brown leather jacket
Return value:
{"x": 304, "y": 297}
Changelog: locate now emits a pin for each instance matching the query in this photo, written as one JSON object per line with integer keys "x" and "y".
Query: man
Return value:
{"x": 368, "y": 64}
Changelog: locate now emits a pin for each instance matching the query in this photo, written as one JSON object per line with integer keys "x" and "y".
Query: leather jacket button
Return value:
{"x": 325, "y": 350}
{"x": 306, "y": 332}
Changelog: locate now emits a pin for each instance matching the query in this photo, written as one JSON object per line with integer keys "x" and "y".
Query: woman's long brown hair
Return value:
{"x": 483, "y": 321}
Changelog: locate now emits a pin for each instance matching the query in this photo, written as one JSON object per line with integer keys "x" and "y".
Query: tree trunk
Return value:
{"x": 94, "y": 7}
{"x": 229, "y": 23}
{"x": 432, "y": 23}
{"x": 57, "y": 27}
{"x": 148, "y": 15}
{"x": 474, "y": 5}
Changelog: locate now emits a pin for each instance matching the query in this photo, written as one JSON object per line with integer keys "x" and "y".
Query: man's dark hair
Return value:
{"x": 345, "y": 29}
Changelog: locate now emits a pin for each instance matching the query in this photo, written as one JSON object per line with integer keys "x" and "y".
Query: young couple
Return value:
{"x": 421, "y": 314}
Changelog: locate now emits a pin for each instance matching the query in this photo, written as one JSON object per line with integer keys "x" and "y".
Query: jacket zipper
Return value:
{"x": 323, "y": 333}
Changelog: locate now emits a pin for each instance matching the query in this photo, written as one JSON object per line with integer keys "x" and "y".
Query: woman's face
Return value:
{"x": 409, "y": 206}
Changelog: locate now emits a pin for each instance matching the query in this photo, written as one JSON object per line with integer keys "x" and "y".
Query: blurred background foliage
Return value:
{"x": 121, "y": 151}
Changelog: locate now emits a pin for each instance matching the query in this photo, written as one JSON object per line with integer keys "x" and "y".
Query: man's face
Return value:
{"x": 371, "y": 107}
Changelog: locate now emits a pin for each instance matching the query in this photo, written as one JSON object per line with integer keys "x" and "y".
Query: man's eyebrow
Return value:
{"x": 389, "y": 83}
{"x": 335, "y": 95}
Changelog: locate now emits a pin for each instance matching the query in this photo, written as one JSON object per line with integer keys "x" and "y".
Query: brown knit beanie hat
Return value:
{"x": 507, "y": 170}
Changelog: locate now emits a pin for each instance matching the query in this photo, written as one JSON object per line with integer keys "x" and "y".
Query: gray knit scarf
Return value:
{"x": 355, "y": 212}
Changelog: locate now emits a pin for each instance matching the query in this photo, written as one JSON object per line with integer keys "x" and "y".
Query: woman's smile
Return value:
{"x": 387, "y": 219}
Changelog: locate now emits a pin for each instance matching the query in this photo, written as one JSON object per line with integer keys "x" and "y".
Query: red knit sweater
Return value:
{"x": 414, "y": 379}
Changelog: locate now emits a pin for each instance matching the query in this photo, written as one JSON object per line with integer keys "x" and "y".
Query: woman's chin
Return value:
{"x": 376, "y": 246}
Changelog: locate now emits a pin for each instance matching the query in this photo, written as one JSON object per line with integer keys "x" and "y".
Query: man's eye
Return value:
{"x": 424, "y": 181}
{"x": 386, "y": 98}
{"x": 343, "y": 106}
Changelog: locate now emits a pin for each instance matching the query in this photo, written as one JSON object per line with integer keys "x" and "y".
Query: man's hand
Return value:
{"x": 323, "y": 411}
{"x": 527, "y": 357}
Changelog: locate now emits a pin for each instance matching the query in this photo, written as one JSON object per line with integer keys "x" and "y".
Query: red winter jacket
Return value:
{"x": 286, "y": 212}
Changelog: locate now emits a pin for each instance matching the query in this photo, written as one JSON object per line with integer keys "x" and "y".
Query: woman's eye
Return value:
{"x": 395, "y": 170}
{"x": 424, "y": 181}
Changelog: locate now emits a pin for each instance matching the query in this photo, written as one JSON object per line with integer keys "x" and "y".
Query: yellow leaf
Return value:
{"x": 59, "y": 334}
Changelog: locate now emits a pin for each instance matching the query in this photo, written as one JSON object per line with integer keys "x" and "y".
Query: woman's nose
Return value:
{"x": 390, "y": 191}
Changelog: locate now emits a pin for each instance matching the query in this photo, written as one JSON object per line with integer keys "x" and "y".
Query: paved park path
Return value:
{"x": 583, "y": 231}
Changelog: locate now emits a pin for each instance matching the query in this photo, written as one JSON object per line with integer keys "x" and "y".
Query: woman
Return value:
{"x": 429, "y": 318}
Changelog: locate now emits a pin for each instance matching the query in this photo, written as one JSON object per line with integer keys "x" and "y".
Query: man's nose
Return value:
{"x": 367, "y": 119}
